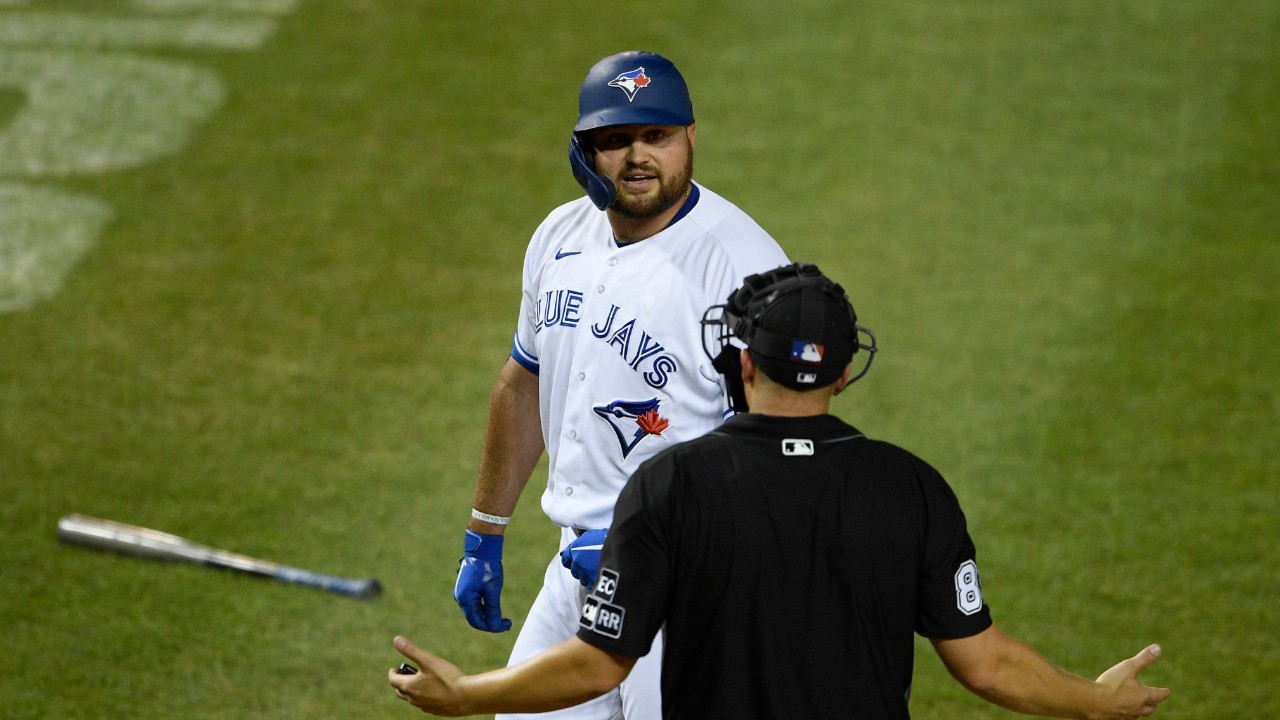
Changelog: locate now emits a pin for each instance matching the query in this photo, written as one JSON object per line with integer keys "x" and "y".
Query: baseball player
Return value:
{"x": 606, "y": 367}
{"x": 790, "y": 558}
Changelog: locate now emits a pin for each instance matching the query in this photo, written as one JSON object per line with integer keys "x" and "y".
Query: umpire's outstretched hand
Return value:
{"x": 433, "y": 689}
{"x": 1134, "y": 698}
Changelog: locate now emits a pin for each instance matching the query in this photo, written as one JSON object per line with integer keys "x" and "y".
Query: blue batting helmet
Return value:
{"x": 633, "y": 88}
{"x": 629, "y": 88}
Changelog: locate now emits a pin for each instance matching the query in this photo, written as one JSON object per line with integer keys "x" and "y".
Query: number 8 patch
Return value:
{"x": 968, "y": 591}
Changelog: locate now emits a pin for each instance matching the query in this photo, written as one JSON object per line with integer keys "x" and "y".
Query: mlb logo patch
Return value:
{"x": 806, "y": 351}
{"x": 792, "y": 447}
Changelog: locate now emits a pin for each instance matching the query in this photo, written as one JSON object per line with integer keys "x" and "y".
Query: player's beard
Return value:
{"x": 672, "y": 189}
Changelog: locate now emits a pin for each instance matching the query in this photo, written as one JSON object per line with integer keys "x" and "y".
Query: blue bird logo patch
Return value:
{"x": 632, "y": 421}
{"x": 631, "y": 82}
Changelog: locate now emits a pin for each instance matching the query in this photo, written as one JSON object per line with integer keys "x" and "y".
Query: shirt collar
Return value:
{"x": 689, "y": 202}
{"x": 685, "y": 209}
{"x": 816, "y": 427}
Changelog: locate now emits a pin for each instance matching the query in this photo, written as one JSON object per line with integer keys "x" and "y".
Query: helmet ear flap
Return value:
{"x": 582, "y": 162}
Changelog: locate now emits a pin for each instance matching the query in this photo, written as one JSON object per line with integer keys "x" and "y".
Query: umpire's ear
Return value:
{"x": 749, "y": 369}
{"x": 843, "y": 382}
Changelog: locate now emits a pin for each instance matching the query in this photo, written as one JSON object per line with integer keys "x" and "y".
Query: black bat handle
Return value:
{"x": 406, "y": 669}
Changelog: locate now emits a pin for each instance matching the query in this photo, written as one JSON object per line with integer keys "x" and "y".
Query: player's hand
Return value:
{"x": 479, "y": 585}
{"x": 1132, "y": 698}
{"x": 434, "y": 688}
{"x": 582, "y": 556}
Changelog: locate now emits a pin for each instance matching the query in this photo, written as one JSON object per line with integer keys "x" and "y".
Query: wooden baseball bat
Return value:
{"x": 144, "y": 542}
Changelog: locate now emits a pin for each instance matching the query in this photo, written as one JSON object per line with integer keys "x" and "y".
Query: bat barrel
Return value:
{"x": 145, "y": 542}
{"x": 128, "y": 539}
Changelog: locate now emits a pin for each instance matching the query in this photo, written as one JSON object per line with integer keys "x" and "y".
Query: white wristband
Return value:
{"x": 495, "y": 519}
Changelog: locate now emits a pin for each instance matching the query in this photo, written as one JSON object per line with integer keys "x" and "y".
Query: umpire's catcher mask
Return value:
{"x": 630, "y": 88}
{"x": 797, "y": 324}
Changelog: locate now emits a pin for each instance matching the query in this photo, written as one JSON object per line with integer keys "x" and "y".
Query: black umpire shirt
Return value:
{"x": 791, "y": 560}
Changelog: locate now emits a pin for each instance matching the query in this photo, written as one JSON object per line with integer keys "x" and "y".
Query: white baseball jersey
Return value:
{"x": 613, "y": 334}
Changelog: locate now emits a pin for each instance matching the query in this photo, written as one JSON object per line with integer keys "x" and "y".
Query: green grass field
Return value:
{"x": 260, "y": 263}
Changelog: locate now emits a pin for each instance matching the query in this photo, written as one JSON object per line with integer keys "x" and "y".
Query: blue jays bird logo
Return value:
{"x": 632, "y": 421}
{"x": 631, "y": 82}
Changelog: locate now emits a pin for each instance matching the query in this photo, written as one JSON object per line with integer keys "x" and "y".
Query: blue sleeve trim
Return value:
{"x": 524, "y": 357}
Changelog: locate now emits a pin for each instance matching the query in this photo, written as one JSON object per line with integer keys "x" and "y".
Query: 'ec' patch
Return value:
{"x": 607, "y": 584}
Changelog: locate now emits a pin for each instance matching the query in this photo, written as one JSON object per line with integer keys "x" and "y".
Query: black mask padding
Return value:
{"x": 729, "y": 364}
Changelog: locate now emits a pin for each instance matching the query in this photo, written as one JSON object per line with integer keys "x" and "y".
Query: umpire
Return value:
{"x": 789, "y": 559}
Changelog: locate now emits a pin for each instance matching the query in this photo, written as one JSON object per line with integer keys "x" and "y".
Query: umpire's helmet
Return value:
{"x": 630, "y": 88}
{"x": 798, "y": 325}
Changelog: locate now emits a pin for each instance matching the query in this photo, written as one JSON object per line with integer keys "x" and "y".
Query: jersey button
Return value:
{"x": 573, "y": 434}
{"x": 599, "y": 289}
{"x": 613, "y": 262}
{"x": 582, "y": 376}
{"x": 568, "y": 491}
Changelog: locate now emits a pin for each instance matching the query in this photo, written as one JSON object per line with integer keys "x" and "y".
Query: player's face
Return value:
{"x": 650, "y": 165}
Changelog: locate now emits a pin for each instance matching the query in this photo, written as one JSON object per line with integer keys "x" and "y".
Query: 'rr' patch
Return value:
{"x": 602, "y": 617}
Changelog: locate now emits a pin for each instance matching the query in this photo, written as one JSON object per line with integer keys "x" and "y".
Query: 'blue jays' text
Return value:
{"x": 637, "y": 348}
{"x": 558, "y": 307}
{"x": 643, "y": 353}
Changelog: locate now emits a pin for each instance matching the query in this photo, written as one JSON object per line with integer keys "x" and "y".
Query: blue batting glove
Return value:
{"x": 479, "y": 582}
{"x": 582, "y": 556}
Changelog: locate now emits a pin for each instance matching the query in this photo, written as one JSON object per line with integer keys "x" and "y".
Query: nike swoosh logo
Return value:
{"x": 561, "y": 254}
{"x": 588, "y": 547}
